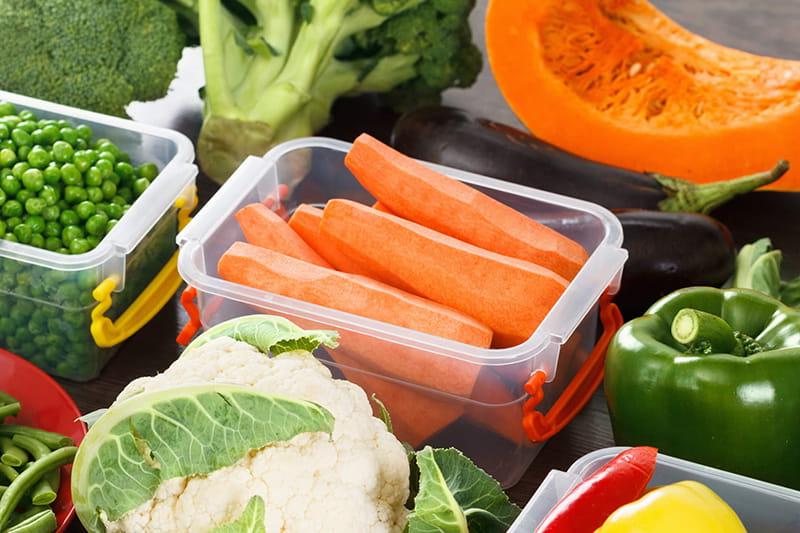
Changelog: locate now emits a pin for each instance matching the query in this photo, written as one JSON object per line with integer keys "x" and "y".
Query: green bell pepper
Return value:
{"x": 738, "y": 410}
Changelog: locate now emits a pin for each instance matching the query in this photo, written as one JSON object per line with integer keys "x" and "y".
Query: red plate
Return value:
{"x": 44, "y": 405}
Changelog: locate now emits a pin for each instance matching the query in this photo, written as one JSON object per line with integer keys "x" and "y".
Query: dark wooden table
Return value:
{"x": 768, "y": 27}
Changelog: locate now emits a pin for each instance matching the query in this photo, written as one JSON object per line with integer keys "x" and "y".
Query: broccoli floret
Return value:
{"x": 95, "y": 55}
{"x": 275, "y": 67}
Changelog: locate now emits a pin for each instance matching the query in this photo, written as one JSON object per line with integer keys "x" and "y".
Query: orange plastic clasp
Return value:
{"x": 188, "y": 302}
{"x": 541, "y": 427}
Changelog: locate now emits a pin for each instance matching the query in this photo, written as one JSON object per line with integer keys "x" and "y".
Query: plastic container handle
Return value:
{"x": 190, "y": 328}
{"x": 107, "y": 333}
{"x": 541, "y": 427}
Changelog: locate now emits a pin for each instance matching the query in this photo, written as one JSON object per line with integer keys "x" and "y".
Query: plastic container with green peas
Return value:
{"x": 68, "y": 302}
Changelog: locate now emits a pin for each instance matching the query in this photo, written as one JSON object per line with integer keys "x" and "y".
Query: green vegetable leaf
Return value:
{"x": 455, "y": 496}
{"x": 758, "y": 267}
{"x": 790, "y": 293}
{"x": 269, "y": 334}
{"x": 250, "y": 521}
{"x": 174, "y": 433}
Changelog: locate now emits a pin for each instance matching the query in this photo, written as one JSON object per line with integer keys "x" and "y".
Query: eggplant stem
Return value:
{"x": 685, "y": 196}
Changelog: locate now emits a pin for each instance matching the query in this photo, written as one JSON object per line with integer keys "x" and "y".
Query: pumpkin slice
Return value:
{"x": 619, "y": 82}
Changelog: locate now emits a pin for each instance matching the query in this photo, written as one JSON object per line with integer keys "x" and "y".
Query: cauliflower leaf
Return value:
{"x": 455, "y": 496}
{"x": 177, "y": 432}
{"x": 269, "y": 334}
{"x": 250, "y": 521}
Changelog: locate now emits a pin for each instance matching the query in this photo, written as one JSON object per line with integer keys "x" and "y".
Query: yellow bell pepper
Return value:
{"x": 688, "y": 507}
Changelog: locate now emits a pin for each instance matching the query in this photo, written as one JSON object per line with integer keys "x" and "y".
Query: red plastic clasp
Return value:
{"x": 541, "y": 427}
{"x": 188, "y": 302}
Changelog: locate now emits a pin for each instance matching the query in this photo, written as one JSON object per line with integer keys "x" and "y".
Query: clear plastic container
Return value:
{"x": 761, "y": 506}
{"x": 67, "y": 313}
{"x": 483, "y": 420}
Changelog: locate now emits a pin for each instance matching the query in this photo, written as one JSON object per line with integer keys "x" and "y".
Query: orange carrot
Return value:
{"x": 509, "y": 295}
{"x": 415, "y": 192}
{"x": 274, "y": 272}
{"x": 305, "y": 222}
{"x": 263, "y": 227}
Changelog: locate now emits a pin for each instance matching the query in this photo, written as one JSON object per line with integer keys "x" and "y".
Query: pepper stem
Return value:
{"x": 704, "y": 332}
{"x": 685, "y": 196}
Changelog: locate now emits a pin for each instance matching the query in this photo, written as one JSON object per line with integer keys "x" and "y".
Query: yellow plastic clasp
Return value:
{"x": 107, "y": 333}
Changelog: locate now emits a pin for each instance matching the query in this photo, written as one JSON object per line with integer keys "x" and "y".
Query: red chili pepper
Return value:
{"x": 621, "y": 481}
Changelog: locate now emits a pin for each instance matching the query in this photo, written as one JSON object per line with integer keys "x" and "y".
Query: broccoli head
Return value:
{"x": 97, "y": 55}
{"x": 275, "y": 67}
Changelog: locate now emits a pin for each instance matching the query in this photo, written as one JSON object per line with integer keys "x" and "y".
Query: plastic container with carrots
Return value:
{"x": 761, "y": 506}
{"x": 454, "y": 391}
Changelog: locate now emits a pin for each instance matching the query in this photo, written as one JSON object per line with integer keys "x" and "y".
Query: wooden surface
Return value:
{"x": 767, "y": 27}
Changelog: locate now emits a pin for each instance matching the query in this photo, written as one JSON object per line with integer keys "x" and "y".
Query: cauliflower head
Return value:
{"x": 353, "y": 479}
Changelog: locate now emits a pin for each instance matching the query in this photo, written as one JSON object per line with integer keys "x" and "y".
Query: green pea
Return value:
{"x": 52, "y": 243}
{"x": 110, "y": 225}
{"x": 102, "y": 207}
{"x": 114, "y": 178}
{"x": 3, "y": 227}
{"x": 93, "y": 155}
{"x": 39, "y": 157}
{"x": 7, "y": 157}
{"x": 5, "y": 133}
{"x": 114, "y": 211}
{"x": 21, "y": 137}
{"x": 105, "y": 167}
{"x": 125, "y": 170}
{"x": 84, "y": 132}
{"x": 69, "y": 218}
{"x": 52, "y": 229}
{"x": 10, "y": 237}
{"x": 36, "y": 223}
{"x": 37, "y": 240}
{"x": 52, "y": 133}
{"x": 107, "y": 156}
{"x": 23, "y": 151}
{"x": 19, "y": 169}
{"x": 63, "y": 250}
{"x": 94, "y": 242}
{"x": 70, "y": 233}
{"x": 79, "y": 246}
{"x": 85, "y": 209}
{"x": 38, "y": 136}
{"x": 10, "y": 185}
{"x": 69, "y": 135}
{"x": 7, "y": 108}
{"x": 62, "y": 204}
{"x": 12, "y": 223}
{"x": 95, "y": 194}
{"x": 71, "y": 175}
{"x": 5, "y": 172}
{"x": 94, "y": 177}
{"x": 75, "y": 195}
{"x": 50, "y": 196}
{"x": 35, "y": 206}
{"x": 119, "y": 200}
{"x": 33, "y": 179}
{"x": 149, "y": 171}
{"x": 24, "y": 195}
{"x": 80, "y": 144}
{"x": 63, "y": 151}
{"x": 12, "y": 208}
{"x": 52, "y": 175}
{"x": 8, "y": 143}
{"x": 96, "y": 224}
{"x": 23, "y": 232}
{"x": 4, "y": 197}
{"x": 109, "y": 190}
{"x": 82, "y": 160}
{"x": 50, "y": 213}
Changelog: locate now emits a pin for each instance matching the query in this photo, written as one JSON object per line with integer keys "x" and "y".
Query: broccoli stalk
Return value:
{"x": 274, "y": 68}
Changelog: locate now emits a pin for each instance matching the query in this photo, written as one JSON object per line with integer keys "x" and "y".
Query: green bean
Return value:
{"x": 42, "y": 522}
{"x": 28, "y": 478}
{"x": 38, "y": 449}
{"x": 48, "y": 438}
{"x": 10, "y": 409}
{"x": 18, "y": 517}
{"x": 12, "y": 455}
{"x": 8, "y": 472}
{"x": 42, "y": 493}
